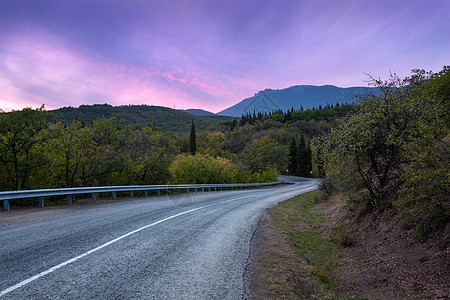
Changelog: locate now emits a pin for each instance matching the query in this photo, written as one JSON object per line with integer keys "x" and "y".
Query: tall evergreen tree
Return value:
{"x": 293, "y": 158}
{"x": 192, "y": 139}
{"x": 302, "y": 157}
{"x": 308, "y": 159}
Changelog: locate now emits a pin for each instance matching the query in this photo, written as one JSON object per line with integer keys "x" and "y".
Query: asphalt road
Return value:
{"x": 188, "y": 246}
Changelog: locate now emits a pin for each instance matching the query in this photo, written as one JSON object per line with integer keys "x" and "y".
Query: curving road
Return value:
{"x": 189, "y": 246}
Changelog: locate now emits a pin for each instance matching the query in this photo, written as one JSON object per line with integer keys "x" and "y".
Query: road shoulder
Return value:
{"x": 308, "y": 250}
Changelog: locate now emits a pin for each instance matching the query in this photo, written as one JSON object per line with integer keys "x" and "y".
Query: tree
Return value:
{"x": 192, "y": 140}
{"x": 308, "y": 160}
{"x": 22, "y": 134}
{"x": 293, "y": 158}
{"x": 374, "y": 144}
{"x": 317, "y": 156}
{"x": 70, "y": 147}
{"x": 197, "y": 169}
{"x": 424, "y": 193}
{"x": 148, "y": 155}
{"x": 265, "y": 153}
{"x": 302, "y": 158}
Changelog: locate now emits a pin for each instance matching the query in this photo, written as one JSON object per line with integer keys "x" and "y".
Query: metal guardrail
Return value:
{"x": 40, "y": 194}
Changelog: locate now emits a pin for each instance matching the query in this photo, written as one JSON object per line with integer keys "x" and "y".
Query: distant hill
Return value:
{"x": 166, "y": 119}
{"x": 307, "y": 96}
{"x": 199, "y": 112}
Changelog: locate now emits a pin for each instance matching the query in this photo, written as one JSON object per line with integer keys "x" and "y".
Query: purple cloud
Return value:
{"x": 206, "y": 54}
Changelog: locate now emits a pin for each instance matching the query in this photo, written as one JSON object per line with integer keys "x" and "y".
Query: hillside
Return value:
{"x": 308, "y": 96}
{"x": 166, "y": 119}
{"x": 199, "y": 112}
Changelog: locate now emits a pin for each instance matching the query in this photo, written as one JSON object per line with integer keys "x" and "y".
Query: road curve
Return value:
{"x": 189, "y": 246}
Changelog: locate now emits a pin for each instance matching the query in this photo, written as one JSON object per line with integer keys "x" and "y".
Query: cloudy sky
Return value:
{"x": 207, "y": 54}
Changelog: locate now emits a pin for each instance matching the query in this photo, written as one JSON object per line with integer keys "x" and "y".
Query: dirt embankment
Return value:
{"x": 385, "y": 260}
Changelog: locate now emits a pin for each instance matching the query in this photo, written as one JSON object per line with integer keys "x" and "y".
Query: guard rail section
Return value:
{"x": 40, "y": 194}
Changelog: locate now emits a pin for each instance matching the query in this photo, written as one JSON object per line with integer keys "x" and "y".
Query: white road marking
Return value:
{"x": 53, "y": 269}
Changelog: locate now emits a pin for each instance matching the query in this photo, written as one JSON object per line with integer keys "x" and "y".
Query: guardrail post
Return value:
{"x": 187, "y": 191}
{"x": 131, "y": 194}
{"x": 195, "y": 190}
{"x": 6, "y": 205}
{"x": 41, "y": 201}
{"x": 169, "y": 192}
{"x": 179, "y": 191}
{"x": 69, "y": 199}
{"x": 114, "y": 196}
{"x": 94, "y": 197}
{"x": 158, "y": 192}
{"x": 203, "y": 189}
{"x": 146, "y": 193}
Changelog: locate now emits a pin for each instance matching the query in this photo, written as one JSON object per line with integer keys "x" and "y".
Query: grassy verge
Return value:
{"x": 304, "y": 262}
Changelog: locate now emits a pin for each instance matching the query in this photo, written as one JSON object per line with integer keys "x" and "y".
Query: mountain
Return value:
{"x": 164, "y": 118}
{"x": 307, "y": 96}
{"x": 199, "y": 112}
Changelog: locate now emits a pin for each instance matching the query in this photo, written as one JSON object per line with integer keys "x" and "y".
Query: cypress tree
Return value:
{"x": 308, "y": 159}
{"x": 302, "y": 157}
{"x": 293, "y": 158}
{"x": 192, "y": 139}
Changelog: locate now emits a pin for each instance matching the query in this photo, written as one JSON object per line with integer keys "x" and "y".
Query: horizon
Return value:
{"x": 207, "y": 55}
{"x": 174, "y": 108}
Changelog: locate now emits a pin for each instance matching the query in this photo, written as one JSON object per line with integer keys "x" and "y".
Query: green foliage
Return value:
{"x": 270, "y": 174}
{"x": 148, "y": 156}
{"x": 196, "y": 169}
{"x": 203, "y": 168}
{"x": 395, "y": 149}
{"x": 265, "y": 153}
{"x": 237, "y": 140}
{"x": 22, "y": 134}
{"x": 424, "y": 194}
{"x": 373, "y": 140}
{"x": 212, "y": 143}
{"x": 192, "y": 140}
{"x": 293, "y": 158}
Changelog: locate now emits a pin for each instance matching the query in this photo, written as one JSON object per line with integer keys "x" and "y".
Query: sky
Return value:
{"x": 207, "y": 54}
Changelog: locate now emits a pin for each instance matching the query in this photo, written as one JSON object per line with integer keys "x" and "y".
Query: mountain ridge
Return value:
{"x": 297, "y": 96}
{"x": 164, "y": 118}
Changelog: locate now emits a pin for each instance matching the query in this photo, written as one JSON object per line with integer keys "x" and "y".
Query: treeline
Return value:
{"x": 328, "y": 112}
{"x": 38, "y": 151}
{"x": 393, "y": 152}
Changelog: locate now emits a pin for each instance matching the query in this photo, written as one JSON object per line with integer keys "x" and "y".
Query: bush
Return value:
{"x": 327, "y": 186}
{"x": 197, "y": 169}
